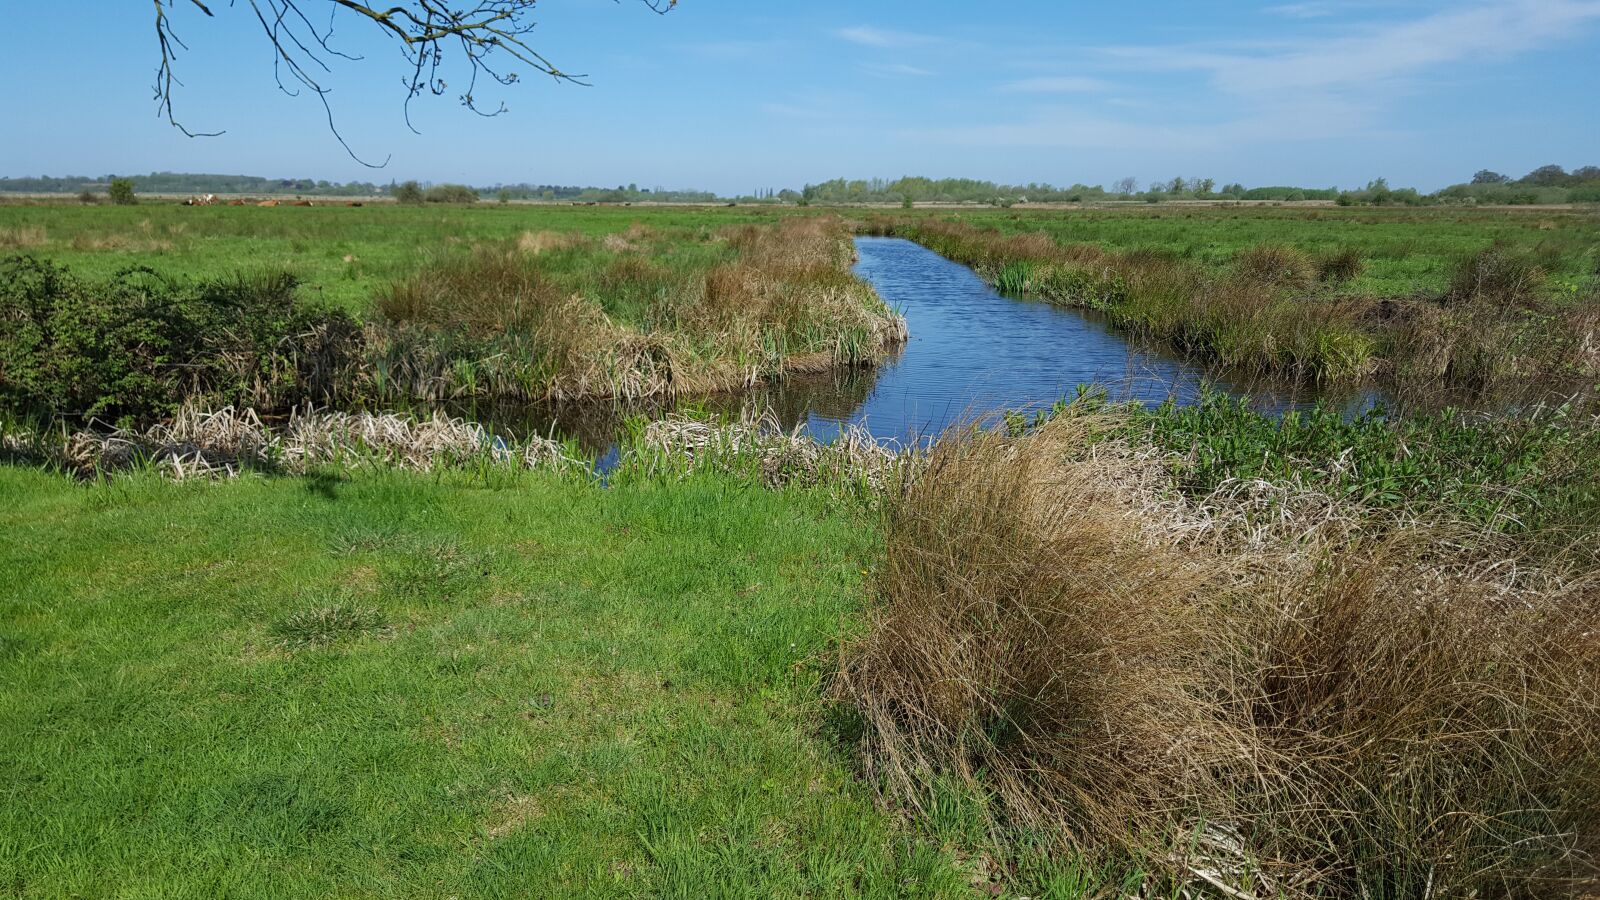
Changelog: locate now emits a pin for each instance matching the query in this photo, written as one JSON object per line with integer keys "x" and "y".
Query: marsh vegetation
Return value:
{"x": 1102, "y": 649}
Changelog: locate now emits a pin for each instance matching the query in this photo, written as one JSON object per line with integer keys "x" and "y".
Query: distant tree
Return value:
{"x": 1127, "y": 187}
{"x": 1203, "y": 186}
{"x": 1586, "y": 173}
{"x": 1485, "y": 176}
{"x": 450, "y": 193}
{"x": 87, "y": 196}
{"x": 408, "y": 192}
{"x": 1177, "y": 186}
{"x": 121, "y": 192}
{"x": 504, "y": 196}
{"x": 1547, "y": 176}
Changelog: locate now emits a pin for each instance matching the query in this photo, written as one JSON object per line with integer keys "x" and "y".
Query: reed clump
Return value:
{"x": 756, "y": 447}
{"x": 649, "y": 314}
{"x": 23, "y": 237}
{"x": 228, "y": 442}
{"x": 1261, "y": 691}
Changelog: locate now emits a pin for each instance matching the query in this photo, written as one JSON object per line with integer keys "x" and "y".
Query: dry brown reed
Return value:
{"x": 227, "y": 442}
{"x": 23, "y": 237}
{"x": 1263, "y": 693}
{"x": 545, "y": 241}
{"x": 494, "y": 323}
{"x": 757, "y": 444}
{"x": 1276, "y": 265}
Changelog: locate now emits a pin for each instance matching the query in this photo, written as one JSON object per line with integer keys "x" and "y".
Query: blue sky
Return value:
{"x": 735, "y": 95}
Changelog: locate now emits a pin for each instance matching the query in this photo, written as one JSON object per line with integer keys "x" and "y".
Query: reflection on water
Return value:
{"x": 972, "y": 351}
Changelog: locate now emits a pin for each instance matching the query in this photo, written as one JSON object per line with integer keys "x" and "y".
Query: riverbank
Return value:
{"x": 545, "y": 317}
{"x": 1502, "y": 331}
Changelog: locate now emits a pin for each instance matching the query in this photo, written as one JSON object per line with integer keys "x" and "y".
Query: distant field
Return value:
{"x": 1406, "y": 250}
{"x": 344, "y": 255}
{"x": 341, "y": 254}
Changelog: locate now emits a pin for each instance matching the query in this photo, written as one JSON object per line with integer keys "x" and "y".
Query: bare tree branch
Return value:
{"x": 481, "y": 32}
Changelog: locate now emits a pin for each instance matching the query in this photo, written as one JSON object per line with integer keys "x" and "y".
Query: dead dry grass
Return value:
{"x": 1264, "y": 693}
{"x": 633, "y": 324}
{"x": 23, "y": 237}
{"x": 227, "y": 442}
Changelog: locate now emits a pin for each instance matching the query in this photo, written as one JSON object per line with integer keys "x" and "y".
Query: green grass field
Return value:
{"x": 1406, "y": 250}
{"x": 396, "y": 685}
{"x": 383, "y": 242}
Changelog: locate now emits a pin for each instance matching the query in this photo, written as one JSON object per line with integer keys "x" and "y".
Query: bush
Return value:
{"x": 121, "y": 192}
{"x": 409, "y": 193}
{"x": 87, "y": 197}
{"x": 450, "y": 193}
{"x": 140, "y": 345}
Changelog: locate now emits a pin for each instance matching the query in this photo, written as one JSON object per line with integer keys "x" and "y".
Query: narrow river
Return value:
{"x": 972, "y": 351}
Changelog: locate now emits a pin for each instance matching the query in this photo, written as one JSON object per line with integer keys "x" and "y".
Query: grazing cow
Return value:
{"x": 302, "y": 203}
{"x": 268, "y": 203}
{"x": 235, "y": 202}
{"x": 354, "y": 203}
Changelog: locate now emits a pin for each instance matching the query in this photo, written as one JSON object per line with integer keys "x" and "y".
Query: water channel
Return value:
{"x": 972, "y": 351}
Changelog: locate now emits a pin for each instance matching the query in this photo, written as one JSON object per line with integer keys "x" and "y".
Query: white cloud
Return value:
{"x": 1313, "y": 10}
{"x": 1057, "y": 85}
{"x": 895, "y": 70}
{"x": 868, "y": 36}
{"x": 1377, "y": 55}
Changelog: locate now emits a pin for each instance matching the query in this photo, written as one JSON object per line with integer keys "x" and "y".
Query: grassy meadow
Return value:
{"x": 1107, "y": 651}
{"x": 402, "y": 685}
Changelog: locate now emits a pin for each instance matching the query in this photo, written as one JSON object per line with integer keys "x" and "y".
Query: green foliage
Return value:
{"x": 1517, "y": 474}
{"x": 409, "y": 193}
{"x": 121, "y": 192}
{"x": 139, "y": 345}
{"x": 450, "y": 193}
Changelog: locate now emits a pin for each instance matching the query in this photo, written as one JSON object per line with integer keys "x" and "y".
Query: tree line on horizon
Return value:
{"x": 1546, "y": 184}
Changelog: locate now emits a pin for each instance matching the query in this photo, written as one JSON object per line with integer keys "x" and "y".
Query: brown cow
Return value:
{"x": 302, "y": 203}
{"x": 268, "y": 203}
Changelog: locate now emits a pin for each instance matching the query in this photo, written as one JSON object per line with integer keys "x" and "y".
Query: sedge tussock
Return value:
{"x": 1261, "y": 691}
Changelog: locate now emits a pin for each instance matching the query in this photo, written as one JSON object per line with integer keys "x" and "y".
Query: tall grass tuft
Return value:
{"x": 635, "y": 315}
{"x": 1257, "y": 692}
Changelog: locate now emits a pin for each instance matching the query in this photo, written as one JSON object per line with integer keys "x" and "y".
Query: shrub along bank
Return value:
{"x": 544, "y": 317}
